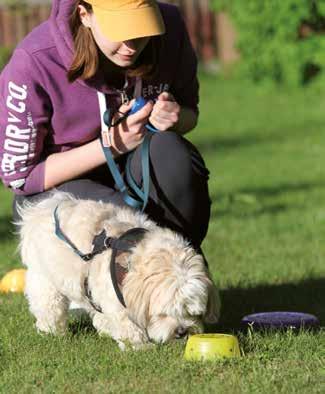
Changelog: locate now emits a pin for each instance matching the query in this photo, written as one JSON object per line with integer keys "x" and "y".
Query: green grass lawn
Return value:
{"x": 265, "y": 248}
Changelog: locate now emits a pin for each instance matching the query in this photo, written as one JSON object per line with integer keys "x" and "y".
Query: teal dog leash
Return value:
{"x": 142, "y": 193}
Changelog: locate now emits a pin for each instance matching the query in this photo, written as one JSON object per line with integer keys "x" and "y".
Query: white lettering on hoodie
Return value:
{"x": 17, "y": 146}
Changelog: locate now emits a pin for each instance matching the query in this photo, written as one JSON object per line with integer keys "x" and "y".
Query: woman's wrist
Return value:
{"x": 109, "y": 140}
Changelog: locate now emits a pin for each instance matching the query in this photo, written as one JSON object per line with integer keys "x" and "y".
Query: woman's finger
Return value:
{"x": 124, "y": 108}
{"x": 166, "y": 105}
{"x": 141, "y": 115}
{"x": 161, "y": 124}
{"x": 166, "y": 96}
{"x": 164, "y": 116}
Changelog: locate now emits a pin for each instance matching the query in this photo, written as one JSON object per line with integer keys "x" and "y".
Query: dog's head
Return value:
{"x": 168, "y": 291}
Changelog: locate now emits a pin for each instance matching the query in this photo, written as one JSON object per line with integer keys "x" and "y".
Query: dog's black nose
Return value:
{"x": 180, "y": 332}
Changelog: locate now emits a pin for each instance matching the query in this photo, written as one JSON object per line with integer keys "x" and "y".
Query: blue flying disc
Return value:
{"x": 280, "y": 320}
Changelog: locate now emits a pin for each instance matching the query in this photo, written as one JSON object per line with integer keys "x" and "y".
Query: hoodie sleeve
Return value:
{"x": 24, "y": 124}
{"x": 186, "y": 86}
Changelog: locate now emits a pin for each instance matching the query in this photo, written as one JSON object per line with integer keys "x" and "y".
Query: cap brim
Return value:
{"x": 127, "y": 25}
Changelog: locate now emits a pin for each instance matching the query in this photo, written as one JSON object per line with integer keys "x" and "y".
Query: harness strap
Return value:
{"x": 101, "y": 243}
{"x": 90, "y": 297}
{"x": 117, "y": 271}
{"x": 59, "y": 233}
{"x": 114, "y": 279}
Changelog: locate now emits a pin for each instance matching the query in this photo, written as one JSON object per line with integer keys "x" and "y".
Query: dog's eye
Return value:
{"x": 180, "y": 332}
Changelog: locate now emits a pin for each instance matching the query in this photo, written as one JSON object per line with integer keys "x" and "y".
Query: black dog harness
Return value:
{"x": 123, "y": 244}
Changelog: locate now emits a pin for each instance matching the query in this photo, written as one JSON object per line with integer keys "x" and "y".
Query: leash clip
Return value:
{"x": 109, "y": 242}
{"x": 87, "y": 257}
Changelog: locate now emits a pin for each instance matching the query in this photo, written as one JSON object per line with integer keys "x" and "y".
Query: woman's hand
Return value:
{"x": 165, "y": 113}
{"x": 127, "y": 135}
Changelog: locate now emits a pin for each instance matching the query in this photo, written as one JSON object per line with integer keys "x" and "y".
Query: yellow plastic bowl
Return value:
{"x": 13, "y": 281}
{"x": 211, "y": 346}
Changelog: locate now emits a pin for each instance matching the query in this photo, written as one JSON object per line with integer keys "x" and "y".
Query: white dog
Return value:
{"x": 143, "y": 283}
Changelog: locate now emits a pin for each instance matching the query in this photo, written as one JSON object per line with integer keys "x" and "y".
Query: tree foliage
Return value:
{"x": 279, "y": 40}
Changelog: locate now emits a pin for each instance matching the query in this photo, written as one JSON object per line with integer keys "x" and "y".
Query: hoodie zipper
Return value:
{"x": 124, "y": 97}
{"x": 137, "y": 90}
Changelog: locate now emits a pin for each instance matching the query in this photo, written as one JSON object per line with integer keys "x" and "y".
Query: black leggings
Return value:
{"x": 178, "y": 197}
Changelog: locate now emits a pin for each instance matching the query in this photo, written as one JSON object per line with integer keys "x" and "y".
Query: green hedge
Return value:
{"x": 282, "y": 41}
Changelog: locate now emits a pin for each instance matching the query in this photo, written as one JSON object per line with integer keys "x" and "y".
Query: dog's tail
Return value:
{"x": 34, "y": 214}
{"x": 29, "y": 210}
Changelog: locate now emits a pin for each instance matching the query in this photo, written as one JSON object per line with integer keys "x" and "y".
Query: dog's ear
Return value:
{"x": 214, "y": 305}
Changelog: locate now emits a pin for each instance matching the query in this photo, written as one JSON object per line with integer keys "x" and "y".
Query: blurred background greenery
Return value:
{"x": 269, "y": 42}
{"x": 280, "y": 41}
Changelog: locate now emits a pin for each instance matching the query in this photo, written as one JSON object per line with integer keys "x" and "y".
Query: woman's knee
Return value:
{"x": 169, "y": 147}
{"x": 175, "y": 156}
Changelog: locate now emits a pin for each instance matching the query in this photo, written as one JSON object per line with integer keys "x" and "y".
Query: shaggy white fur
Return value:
{"x": 168, "y": 291}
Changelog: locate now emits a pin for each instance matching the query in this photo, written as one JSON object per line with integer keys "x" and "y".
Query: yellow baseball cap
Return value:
{"x": 121, "y": 20}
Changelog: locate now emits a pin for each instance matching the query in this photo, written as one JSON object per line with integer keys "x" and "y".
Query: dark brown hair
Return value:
{"x": 86, "y": 58}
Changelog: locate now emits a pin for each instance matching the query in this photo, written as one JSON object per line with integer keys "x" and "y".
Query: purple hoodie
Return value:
{"x": 42, "y": 113}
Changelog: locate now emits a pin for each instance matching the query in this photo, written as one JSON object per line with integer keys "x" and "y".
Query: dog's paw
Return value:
{"x": 135, "y": 335}
{"x": 44, "y": 329}
{"x": 121, "y": 329}
{"x": 121, "y": 345}
{"x": 128, "y": 346}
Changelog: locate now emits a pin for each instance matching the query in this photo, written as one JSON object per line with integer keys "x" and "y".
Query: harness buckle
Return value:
{"x": 87, "y": 257}
{"x": 108, "y": 242}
